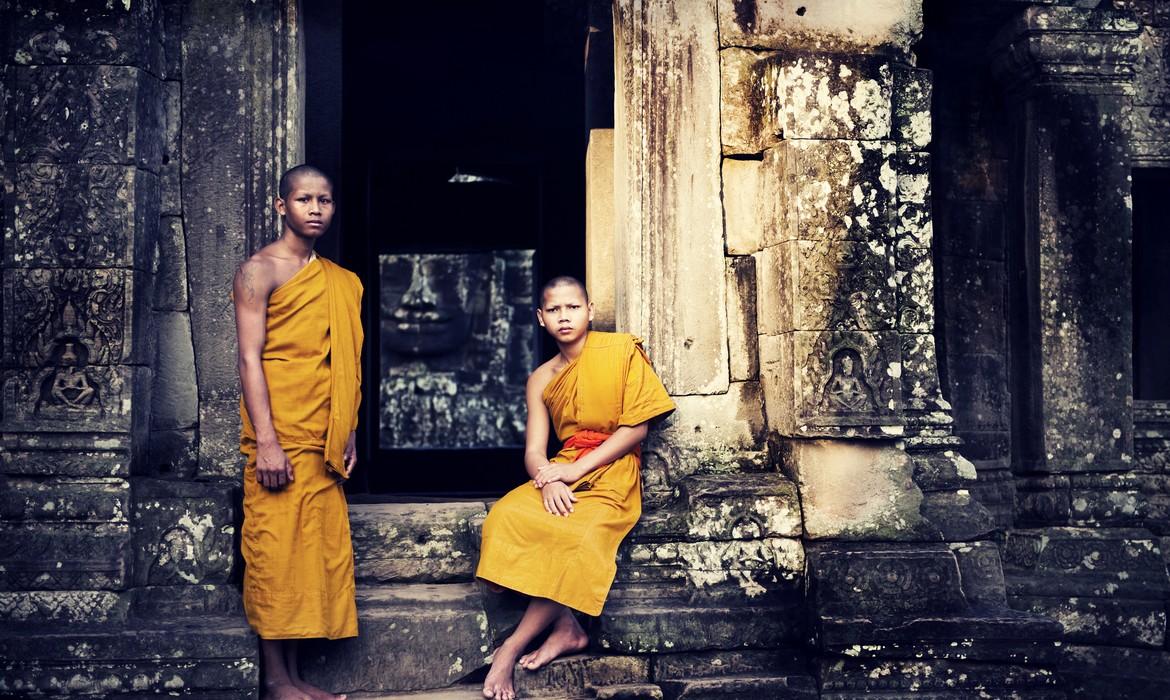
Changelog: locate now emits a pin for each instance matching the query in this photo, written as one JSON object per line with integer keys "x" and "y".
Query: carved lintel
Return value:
{"x": 1068, "y": 50}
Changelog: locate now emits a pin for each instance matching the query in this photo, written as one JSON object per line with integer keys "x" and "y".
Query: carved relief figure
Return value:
{"x": 847, "y": 389}
{"x": 68, "y": 384}
{"x": 454, "y": 362}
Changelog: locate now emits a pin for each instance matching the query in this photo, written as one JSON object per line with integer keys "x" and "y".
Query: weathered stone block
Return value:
{"x": 915, "y": 290}
{"x": 884, "y": 582}
{"x": 186, "y": 601}
{"x": 920, "y": 386}
{"x": 57, "y": 500}
{"x": 17, "y": 458}
{"x": 913, "y": 225}
{"x": 414, "y": 636}
{"x": 854, "y": 490}
{"x": 415, "y": 542}
{"x": 826, "y": 285}
{"x": 848, "y": 26}
{"x": 1042, "y": 501}
{"x": 183, "y": 532}
{"x": 742, "y": 334}
{"x": 1082, "y": 562}
{"x": 64, "y": 557}
{"x": 740, "y": 507}
{"x": 979, "y": 391}
{"x": 81, "y": 216}
{"x": 913, "y": 177}
{"x": 32, "y": 609}
{"x": 1127, "y": 500}
{"x": 67, "y": 399}
{"x": 213, "y": 659}
{"x": 956, "y": 514}
{"x": 738, "y": 571}
{"x": 942, "y": 470}
{"x": 169, "y": 172}
{"x": 911, "y": 97}
{"x": 770, "y": 97}
{"x": 669, "y": 75}
{"x": 713, "y": 432}
{"x": 1102, "y": 620}
{"x": 170, "y": 285}
{"x": 175, "y": 392}
{"x": 71, "y": 321}
{"x": 576, "y": 675}
{"x": 49, "y": 33}
{"x": 838, "y": 383}
{"x": 173, "y": 453}
{"x": 109, "y": 114}
{"x": 1099, "y": 671}
{"x": 975, "y": 291}
{"x": 981, "y": 571}
{"x": 847, "y": 679}
{"x": 641, "y": 626}
{"x": 841, "y": 189}
{"x": 794, "y": 687}
{"x": 754, "y": 201}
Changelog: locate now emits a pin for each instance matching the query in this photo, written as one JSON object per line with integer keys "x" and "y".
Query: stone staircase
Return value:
{"x": 708, "y": 588}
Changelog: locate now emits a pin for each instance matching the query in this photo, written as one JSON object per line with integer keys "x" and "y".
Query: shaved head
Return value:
{"x": 289, "y": 180}
{"x": 563, "y": 281}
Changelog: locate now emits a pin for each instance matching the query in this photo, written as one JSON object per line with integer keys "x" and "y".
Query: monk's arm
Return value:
{"x": 250, "y": 289}
{"x": 536, "y": 430}
{"x": 623, "y": 440}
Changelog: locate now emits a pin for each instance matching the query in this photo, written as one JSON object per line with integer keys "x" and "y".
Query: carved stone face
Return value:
{"x": 428, "y": 301}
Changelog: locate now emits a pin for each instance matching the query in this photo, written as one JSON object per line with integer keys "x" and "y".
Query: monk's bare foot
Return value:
{"x": 567, "y": 637}
{"x": 315, "y": 693}
{"x": 498, "y": 683}
{"x": 284, "y": 691}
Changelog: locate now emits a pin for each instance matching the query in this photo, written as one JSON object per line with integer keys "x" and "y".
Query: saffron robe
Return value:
{"x": 298, "y": 575}
{"x": 572, "y": 559}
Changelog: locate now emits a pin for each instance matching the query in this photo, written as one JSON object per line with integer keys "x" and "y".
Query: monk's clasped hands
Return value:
{"x": 558, "y": 499}
{"x": 553, "y": 471}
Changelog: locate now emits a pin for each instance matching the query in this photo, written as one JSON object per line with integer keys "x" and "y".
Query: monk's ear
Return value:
{"x": 278, "y": 204}
{"x": 540, "y": 317}
{"x": 591, "y": 309}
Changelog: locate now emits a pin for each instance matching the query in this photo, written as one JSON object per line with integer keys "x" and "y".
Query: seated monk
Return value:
{"x": 555, "y": 538}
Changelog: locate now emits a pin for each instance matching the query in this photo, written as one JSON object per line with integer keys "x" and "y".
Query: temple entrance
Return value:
{"x": 457, "y": 133}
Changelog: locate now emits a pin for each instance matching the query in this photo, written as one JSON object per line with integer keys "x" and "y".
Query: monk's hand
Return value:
{"x": 551, "y": 473}
{"x": 350, "y": 454}
{"x": 558, "y": 499}
{"x": 273, "y": 468}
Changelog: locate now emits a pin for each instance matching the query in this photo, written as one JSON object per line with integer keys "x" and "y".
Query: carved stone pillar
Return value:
{"x": 83, "y": 155}
{"x": 1069, "y": 71}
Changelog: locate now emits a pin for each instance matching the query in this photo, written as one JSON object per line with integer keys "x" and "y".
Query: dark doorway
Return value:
{"x": 457, "y": 133}
{"x": 1151, "y": 294}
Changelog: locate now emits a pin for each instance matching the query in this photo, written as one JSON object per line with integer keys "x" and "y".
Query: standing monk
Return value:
{"x": 555, "y": 538}
{"x": 300, "y": 341}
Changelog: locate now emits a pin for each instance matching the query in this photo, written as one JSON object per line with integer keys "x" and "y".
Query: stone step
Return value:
{"x": 741, "y": 686}
{"x": 578, "y": 676}
{"x": 415, "y": 542}
{"x": 646, "y": 626}
{"x": 411, "y": 637}
{"x": 208, "y": 658}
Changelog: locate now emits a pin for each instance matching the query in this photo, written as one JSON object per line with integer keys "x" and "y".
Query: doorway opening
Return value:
{"x": 457, "y": 134}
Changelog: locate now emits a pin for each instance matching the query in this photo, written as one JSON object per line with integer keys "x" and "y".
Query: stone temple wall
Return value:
{"x": 133, "y": 140}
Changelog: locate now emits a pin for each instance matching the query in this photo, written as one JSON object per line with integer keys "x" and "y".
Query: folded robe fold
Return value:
{"x": 572, "y": 559}
{"x": 298, "y": 578}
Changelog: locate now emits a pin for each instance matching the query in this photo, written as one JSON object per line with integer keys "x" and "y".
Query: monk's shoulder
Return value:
{"x": 541, "y": 376}
{"x": 348, "y": 275}
{"x": 606, "y": 339}
{"x": 256, "y": 276}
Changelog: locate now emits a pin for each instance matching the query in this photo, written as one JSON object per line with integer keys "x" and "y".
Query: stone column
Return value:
{"x": 242, "y": 113}
{"x": 1069, "y": 71}
{"x": 82, "y": 161}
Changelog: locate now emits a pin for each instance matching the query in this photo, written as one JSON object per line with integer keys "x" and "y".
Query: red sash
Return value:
{"x": 585, "y": 441}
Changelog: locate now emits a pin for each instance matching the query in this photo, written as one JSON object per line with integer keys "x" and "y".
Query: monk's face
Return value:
{"x": 308, "y": 209}
{"x": 565, "y": 313}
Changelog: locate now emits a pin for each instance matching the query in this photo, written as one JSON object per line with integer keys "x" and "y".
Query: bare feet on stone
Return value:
{"x": 567, "y": 637}
{"x": 498, "y": 683}
{"x": 315, "y": 693}
{"x": 284, "y": 691}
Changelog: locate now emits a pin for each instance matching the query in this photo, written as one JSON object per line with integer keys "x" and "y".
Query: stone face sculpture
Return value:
{"x": 456, "y": 348}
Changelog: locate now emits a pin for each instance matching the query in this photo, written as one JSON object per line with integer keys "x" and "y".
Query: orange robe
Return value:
{"x": 572, "y": 560}
{"x": 298, "y": 578}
